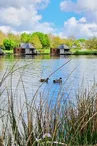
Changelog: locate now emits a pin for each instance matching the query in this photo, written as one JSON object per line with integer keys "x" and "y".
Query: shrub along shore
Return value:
{"x": 85, "y": 52}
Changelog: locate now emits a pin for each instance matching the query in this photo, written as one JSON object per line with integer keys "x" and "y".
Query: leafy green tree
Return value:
{"x": 2, "y": 37}
{"x": 41, "y": 38}
{"x": 70, "y": 41}
{"x": 25, "y": 37}
{"x": 36, "y": 41}
{"x": 56, "y": 41}
{"x": 91, "y": 43}
{"x": 82, "y": 40}
{"x": 15, "y": 38}
{"x": 47, "y": 41}
{"x": 77, "y": 43}
{"x": 9, "y": 44}
{"x": 44, "y": 39}
{"x": 80, "y": 43}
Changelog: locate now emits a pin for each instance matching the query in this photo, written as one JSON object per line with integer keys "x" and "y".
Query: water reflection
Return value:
{"x": 1, "y": 63}
{"x": 36, "y": 67}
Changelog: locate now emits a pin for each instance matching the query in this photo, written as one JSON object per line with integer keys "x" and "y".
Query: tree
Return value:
{"x": 77, "y": 43}
{"x": 15, "y": 38}
{"x": 70, "y": 41}
{"x": 47, "y": 41}
{"x": 36, "y": 41}
{"x": 82, "y": 40}
{"x": 91, "y": 43}
{"x": 44, "y": 39}
{"x": 2, "y": 37}
{"x": 56, "y": 41}
{"x": 41, "y": 38}
{"x": 25, "y": 37}
{"x": 9, "y": 44}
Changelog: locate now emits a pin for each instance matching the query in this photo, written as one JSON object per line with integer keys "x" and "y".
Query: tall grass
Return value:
{"x": 65, "y": 122}
{"x": 85, "y": 52}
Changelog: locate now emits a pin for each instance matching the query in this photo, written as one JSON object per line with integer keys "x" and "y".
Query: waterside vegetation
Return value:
{"x": 43, "y": 42}
{"x": 66, "y": 122}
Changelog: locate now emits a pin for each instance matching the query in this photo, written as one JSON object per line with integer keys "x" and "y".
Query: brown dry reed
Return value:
{"x": 66, "y": 123}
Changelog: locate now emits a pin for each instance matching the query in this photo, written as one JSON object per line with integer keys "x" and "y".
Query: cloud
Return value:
{"x": 68, "y": 5}
{"x": 22, "y": 16}
{"x": 88, "y": 8}
{"x": 23, "y": 3}
{"x": 85, "y": 26}
{"x": 18, "y": 17}
{"x": 79, "y": 6}
{"x": 79, "y": 28}
{"x": 7, "y": 29}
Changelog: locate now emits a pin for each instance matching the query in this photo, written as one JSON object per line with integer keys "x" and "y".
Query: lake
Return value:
{"x": 80, "y": 71}
{"x": 21, "y": 77}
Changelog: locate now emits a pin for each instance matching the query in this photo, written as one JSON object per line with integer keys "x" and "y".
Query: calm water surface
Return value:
{"x": 23, "y": 75}
{"x": 81, "y": 70}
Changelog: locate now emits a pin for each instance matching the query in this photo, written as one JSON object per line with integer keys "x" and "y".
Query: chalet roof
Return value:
{"x": 63, "y": 46}
{"x": 27, "y": 46}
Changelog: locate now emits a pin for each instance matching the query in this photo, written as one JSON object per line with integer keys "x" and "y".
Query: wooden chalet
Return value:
{"x": 64, "y": 50}
{"x": 25, "y": 49}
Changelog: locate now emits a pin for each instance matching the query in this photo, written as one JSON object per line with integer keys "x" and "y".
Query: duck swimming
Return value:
{"x": 44, "y": 80}
{"x": 57, "y": 80}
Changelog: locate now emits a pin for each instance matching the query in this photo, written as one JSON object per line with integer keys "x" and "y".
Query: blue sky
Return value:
{"x": 63, "y": 18}
{"x": 53, "y": 14}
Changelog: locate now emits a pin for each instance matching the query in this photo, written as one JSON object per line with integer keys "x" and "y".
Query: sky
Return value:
{"x": 64, "y": 18}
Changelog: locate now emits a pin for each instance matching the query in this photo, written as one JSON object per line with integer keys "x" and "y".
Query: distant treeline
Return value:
{"x": 43, "y": 41}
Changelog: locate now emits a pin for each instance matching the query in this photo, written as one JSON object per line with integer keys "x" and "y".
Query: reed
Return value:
{"x": 68, "y": 122}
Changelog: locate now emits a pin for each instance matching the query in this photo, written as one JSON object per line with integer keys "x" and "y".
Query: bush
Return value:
{"x": 85, "y": 52}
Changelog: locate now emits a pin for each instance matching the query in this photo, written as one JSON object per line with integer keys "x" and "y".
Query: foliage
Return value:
{"x": 47, "y": 41}
{"x": 2, "y": 37}
{"x": 70, "y": 41}
{"x": 25, "y": 37}
{"x": 76, "y": 43}
{"x": 56, "y": 41}
{"x": 15, "y": 38}
{"x": 84, "y": 52}
{"x": 44, "y": 39}
{"x": 8, "y": 52}
{"x": 91, "y": 43}
{"x": 36, "y": 41}
{"x": 44, "y": 51}
{"x": 82, "y": 40}
{"x": 9, "y": 44}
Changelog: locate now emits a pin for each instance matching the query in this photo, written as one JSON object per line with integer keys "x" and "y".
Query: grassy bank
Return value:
{"x": 84, "y": 52}
{"x": 44, "y": 51}
{"x": 8, "y": 51}
{"x": 63, "y": 123}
